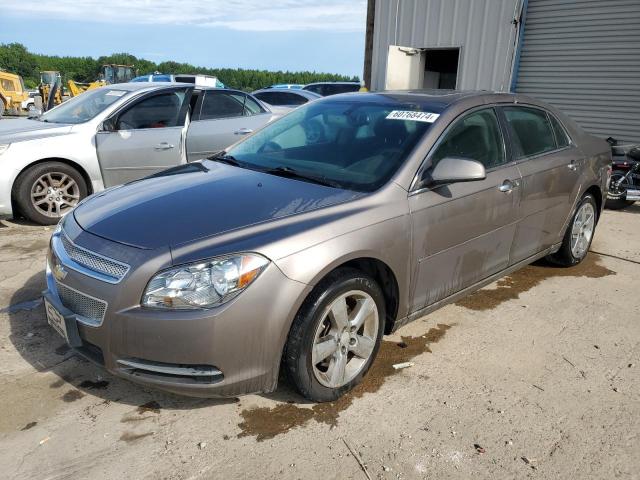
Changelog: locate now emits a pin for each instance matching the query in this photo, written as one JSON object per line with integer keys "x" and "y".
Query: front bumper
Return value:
{"x": 225, "y": 351}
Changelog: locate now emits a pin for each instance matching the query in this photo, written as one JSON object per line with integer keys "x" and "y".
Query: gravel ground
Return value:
{"x": 534, "y": 376}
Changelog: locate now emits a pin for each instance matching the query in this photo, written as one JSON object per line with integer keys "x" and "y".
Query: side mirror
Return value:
{"x": 109, "y": 125}
{"x": 453, "y": 170}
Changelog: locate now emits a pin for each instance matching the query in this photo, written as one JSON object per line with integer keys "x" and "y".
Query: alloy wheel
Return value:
{"x": 54, "y": 193}
{"x": 345, "y": 338}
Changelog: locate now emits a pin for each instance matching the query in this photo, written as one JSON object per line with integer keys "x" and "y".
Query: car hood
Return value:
{"x": 19, "y": 129}
{"x": 199, "y": 200}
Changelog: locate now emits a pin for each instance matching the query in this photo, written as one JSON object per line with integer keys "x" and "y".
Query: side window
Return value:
{"x": 221, "y": 105}
{"x": 293, "y": 99}
{"x": 531, "y": 131}
{"x": 562, "y": 140}
{"x": 477, "y": 137}
{"x": 251, "y": 107}
{"x": 159, "y": 111}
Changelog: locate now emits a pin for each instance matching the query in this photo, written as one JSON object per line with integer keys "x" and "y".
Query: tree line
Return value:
{"x": 15, "y": 58}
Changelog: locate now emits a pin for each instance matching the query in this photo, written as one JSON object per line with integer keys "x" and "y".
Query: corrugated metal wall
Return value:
{"x": 583, "y": 56}
{"x": 482, "y": 28}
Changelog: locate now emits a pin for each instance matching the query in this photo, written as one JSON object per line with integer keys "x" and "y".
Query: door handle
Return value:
{"x": 243, "y": 131}
{"x": 507, "y": 186}
{"x": 164, "y": 146}
{"x": 573, "y": 166}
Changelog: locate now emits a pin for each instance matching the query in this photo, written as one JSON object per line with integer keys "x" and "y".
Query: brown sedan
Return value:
{"x": 304, "y": 243}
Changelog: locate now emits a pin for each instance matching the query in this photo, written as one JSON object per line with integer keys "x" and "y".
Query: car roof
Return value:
{"x": 332, "y": 83}
{"x": 435, "y": 100}
{"x": 295, "y": 91}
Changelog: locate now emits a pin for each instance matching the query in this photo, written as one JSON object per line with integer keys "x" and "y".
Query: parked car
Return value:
{"x": 282, "y": 97}
{"x": 113, "y": 135}
{"x": 332, "y": 88}
{"x": 301, "y": 245}
{"x": 293, "y": 86}
{"x": 198, "y": 80}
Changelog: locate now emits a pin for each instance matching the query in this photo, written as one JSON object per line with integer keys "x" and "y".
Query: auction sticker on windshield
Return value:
{"x": 415, "y": 116}
{"x": 115, "y": 93}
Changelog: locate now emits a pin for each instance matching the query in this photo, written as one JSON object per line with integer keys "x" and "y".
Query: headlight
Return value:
{"x": 203, "y": 284}
{"x": 3, "y": 147}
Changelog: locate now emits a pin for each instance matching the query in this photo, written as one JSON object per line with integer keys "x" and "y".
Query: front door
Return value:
{"x": 549, "y": 165}
{"x": 462, "y": 232}
{"x": 224, "y": 118}
{"x": 144, "y": 138}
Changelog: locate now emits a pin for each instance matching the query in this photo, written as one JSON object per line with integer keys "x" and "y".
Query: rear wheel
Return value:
{"x": 47, "y": 191}
{"x": 579, "y": 234}
{"x": 616, "y": 196}
{"x": 336, "y": 335}
{"x": 1, "y": 108}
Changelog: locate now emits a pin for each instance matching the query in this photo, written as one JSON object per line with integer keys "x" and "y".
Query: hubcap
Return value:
{"x": 345, "y": 338}
{"x": 582, "y": 230}
{"x": 54, "y": 194}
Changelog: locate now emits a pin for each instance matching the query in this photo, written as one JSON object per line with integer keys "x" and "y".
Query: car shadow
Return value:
{"x": 40, "y": 346}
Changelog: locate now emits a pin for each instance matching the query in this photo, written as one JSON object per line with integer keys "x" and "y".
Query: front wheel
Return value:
{"x": 47, "y": 191}
{"x": 579, "y": 234}
{"x": 616, "y": 196}
{"x": 336, "y": 335}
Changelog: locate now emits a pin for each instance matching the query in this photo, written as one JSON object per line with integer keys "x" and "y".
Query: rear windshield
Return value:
{"x": 352, "y": 144}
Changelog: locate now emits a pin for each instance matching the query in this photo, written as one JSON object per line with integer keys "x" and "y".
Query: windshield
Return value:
{"x": 355, "y": 145}
{"x": 84, "y": 107}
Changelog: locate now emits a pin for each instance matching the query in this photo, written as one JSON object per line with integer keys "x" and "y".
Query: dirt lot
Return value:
{"x": 537, "y": 375}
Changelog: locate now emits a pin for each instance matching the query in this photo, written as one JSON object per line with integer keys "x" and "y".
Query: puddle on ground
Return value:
{"x": 152, "y": 406}
{"x": 91, "y": 385}
{"x": 267, "y": 422}
{"x": 28, "y": 426}
{"x": 511, "y": 286}
{"x": 131, "y": 437}
{"x": 139, "y": 414}
{"x": 72, "y": 396}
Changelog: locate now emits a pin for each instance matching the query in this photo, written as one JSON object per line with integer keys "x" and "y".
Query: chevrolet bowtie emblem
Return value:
{"x": 59, "y": 272}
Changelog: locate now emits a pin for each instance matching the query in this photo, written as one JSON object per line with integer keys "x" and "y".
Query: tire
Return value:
{"x": 614, "y": 203}
{"x": 36, "y": 182}
{"x": 568, "y": 254}
{"x": 1, "y": 108}
{"x": 359, "y": 292}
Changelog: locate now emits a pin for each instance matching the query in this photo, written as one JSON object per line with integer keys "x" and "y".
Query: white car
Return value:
{"x": 113, "y": 135}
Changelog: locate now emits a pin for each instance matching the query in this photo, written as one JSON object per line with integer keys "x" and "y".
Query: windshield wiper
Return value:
{"x": 289, "y": 172}
{"x": 222, "y": 157}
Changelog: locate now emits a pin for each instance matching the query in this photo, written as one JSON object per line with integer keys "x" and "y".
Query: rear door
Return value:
{"x": 144, "y": 137}
{"x": 224, "y": 118}
{"x": 462, "y": 232}
{"x": 550, "y": 165}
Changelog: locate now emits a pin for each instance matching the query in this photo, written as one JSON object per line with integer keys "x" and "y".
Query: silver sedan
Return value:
{"x": 113, "y": 135}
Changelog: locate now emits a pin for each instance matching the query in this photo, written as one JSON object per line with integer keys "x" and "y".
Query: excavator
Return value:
{"x": 13, "y": 96}
{"x": 53, "y": 93}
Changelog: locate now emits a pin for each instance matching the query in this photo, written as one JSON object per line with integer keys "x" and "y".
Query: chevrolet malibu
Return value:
{"x": 300, "y": 246}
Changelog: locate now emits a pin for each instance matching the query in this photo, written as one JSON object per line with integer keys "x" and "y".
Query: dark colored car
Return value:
{"x": 301, "y": 245}
{"x": 332, "y": 88}
{"x": 285, "y": 97}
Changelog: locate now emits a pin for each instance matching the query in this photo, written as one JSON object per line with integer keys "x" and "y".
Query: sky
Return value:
{"x": 320, "y": 35}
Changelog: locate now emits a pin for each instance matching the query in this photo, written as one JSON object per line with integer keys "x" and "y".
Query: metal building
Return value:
{"x": 583, "y": 56}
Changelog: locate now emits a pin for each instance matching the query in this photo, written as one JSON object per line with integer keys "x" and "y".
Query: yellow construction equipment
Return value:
{"x": 50, "y": 82}
{"x": 13, "y": 95}
{"x": 50, "y": 88}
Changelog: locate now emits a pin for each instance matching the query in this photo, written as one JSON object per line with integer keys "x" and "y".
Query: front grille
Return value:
{"x": 93, "y": 261}
{"x": 91, "y": 309}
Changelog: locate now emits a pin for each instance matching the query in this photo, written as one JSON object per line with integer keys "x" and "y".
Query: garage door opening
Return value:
{"x": 441, "y": 68}
{"x": 411, "y": 68}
